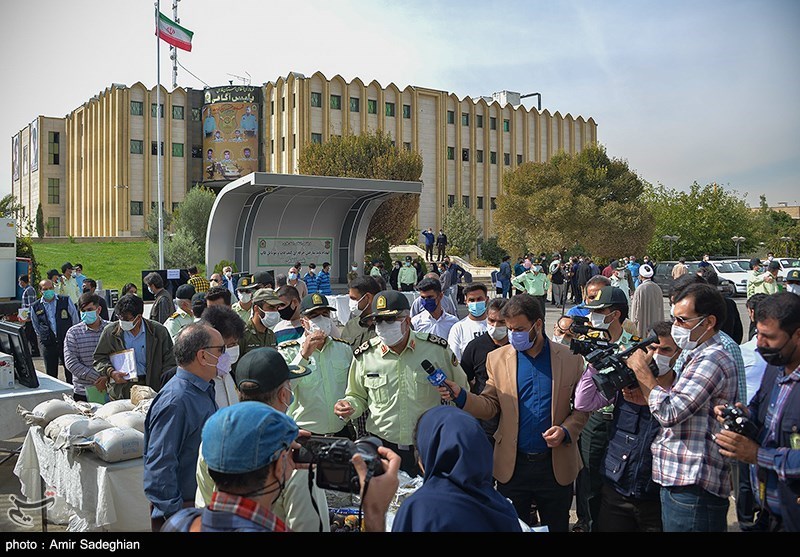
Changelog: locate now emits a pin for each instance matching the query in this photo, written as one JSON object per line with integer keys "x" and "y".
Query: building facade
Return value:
{"x": 108, "y": 180}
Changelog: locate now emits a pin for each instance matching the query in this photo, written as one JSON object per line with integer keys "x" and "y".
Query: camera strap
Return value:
{"x": 311, "y": 495}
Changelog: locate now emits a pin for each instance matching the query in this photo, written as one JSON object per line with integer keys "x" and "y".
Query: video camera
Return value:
{"x": 332, "y": 456}
{"x": 580, "y": 326}
{"x": 736, "y": 421}
{"x": 603, "y": 355}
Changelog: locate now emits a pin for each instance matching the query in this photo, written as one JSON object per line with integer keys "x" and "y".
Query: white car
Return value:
{"x": 732, "y": 271}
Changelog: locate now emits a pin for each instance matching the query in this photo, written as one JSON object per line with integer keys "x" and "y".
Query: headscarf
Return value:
{"x": 457, "y": 493}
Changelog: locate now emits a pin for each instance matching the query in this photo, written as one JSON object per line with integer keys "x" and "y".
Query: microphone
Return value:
{"x": 436, "y": 377}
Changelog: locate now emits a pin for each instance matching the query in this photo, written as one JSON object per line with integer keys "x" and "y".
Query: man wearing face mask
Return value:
{"x": 361, "y": 290}
{"x": 446, "y": 302}
{"x": 162, "y": 304}
{"x": 775, "y": 411}
{"x": 407, "y": 276}
{"x": 290, "y": 326}
{"x": 293, "y": 279}
{"x": 228, "y": 281}
{"x": 647, "y": 304}
{"x": 534, "y": 282}
{"x": 387, "y": 378}
{"x": 531, "y": 382}
{"x": 244, "y": 292}
{"x": 51, "y": 317}
{"x": 149, "y": 340}
{"x": 258, "y": 331}
{"x": 221, "y": 318}
{"x": 630, "y": 500}
{"x": 474, "y": 324}
{"x": 183, "y": 311}
{"x": 174, "y": 421}
{"x": 90, "y": 286}
{"x": 695, "y": 479}
{"x": 79, "y": 345}
{"x": 792, "y": 282}
{"x": 329, "y": 358}
{"x": 433, "y": 319}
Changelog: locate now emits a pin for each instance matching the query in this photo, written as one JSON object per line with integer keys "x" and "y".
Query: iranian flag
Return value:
{"x": 174, "y": 34}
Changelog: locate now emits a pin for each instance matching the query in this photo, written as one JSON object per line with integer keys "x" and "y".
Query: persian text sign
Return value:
{"x": 285, "y": 252}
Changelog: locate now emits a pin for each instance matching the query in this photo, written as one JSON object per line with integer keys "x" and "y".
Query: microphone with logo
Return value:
{"x": 436, "y": 377}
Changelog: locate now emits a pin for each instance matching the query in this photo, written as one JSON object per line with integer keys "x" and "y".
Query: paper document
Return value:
{"x": 124, "y": 361}
{"x": 23, "y": 313}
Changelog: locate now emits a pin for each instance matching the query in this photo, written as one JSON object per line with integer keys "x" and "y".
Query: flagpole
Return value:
{"x": 159, "y": 150}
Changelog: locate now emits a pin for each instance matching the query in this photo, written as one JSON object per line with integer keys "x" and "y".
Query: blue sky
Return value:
{"x": 684, "y": 91}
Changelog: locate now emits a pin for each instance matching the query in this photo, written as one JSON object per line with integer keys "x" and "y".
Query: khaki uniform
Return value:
{"x": 355, "y": 334}
{"x": 177, "y": 322}
{"x": 253, "y": 339}
{"x": 245, "y": 314}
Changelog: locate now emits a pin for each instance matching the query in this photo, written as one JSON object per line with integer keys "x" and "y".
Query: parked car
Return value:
{"x": 662, "y": 275}
{"x": 732, "y": 271}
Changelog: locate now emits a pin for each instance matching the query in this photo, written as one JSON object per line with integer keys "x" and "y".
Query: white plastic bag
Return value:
{"x": 52, "y": 429}
{"x": 113, "y": 407}
{"x": 116, "y": 444}
{"x": 79, "y": 431}
{"x": 47, "y": 411}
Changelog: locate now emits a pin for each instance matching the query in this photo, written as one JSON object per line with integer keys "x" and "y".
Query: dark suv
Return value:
{"x": 662, "y": 275}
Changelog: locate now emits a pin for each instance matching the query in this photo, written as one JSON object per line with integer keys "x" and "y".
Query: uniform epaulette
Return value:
{"x": 634, "y": 338}
{"x": 437, "y": 340}
{"x": 337, "y": 339}
{"x": 361, "y": 349}
{"x": 287, "y": 343}
{"x": 174, "y": 315}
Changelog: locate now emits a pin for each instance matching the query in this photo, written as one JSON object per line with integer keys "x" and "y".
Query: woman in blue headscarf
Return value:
{"x": 457, "y": 493}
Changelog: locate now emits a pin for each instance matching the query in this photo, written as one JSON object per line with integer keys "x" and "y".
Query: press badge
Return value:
{"x": 64, "y": 314}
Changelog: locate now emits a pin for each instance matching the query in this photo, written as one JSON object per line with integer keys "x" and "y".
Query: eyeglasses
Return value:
{"x": 221, "y": 348}
{"x": 686, "y": 320}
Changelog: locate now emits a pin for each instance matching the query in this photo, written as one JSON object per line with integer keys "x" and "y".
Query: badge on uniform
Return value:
{"x": 317, "y": 299}
{"x": 794, "y": 440}
{"x": 64, "y": 314}
{"x": 455, "y": 361}
{"x": 381, "y": 303}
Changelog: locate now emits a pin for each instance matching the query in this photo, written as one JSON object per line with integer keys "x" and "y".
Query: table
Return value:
{"x": 341, "y": 303}
{"x": 103, "y": 496}
{"x": 11, "y": 423}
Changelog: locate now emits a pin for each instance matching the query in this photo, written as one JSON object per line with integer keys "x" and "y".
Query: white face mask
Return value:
{"x": 270, "y": 318}
{"x": 353, "y": 305}
{"x": 245, "y": 297}
{"x": 390, "y": 333}
{"x": 321, "y": 323}
{"x": 558, "y": 339}
{"x": 223, "y": 364}
{"x": 292, "y": 276}
{"x": 682, "y": 337}
{"x": 127, "y": 325}
{"x": 497, "y": 332}
{"x": 793, "y": 288}
{"x": 233, "y": 353}
{"x": 598, "y": 320}
{"x": 663, "y": 362}
{"x": 354, "y": 268}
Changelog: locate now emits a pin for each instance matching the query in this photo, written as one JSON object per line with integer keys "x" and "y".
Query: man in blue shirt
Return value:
{"x": 429, "y": 240}
{"x": 633, "y": 267}
{"x": 52, "y": 316}
{"x": 175, "y": 420}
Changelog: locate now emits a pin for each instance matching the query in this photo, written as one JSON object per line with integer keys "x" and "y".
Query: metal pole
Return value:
{"x": 159, "y": 153}
{"x": 173, "y": 49}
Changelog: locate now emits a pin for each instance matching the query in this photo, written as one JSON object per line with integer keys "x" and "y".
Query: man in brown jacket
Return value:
{"x": 531, "y": 383}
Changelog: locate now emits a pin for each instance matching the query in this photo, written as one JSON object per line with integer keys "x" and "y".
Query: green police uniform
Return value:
{"x": 355, "y": 334}
{"x": 245, "y": 314}
{"x": 177, "y": 322}
{"x": 252, "y": 339}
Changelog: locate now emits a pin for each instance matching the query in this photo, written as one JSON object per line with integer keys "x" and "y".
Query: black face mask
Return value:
{"x": 774, "y": 356}
{"x": 86, "y": 290}
{"x": 286, "y": 313}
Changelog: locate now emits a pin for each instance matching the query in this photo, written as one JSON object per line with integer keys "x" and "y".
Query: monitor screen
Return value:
{"x": 14, "y": 343}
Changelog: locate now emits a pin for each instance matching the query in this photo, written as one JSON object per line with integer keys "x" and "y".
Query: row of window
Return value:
{"x": 451, "y": 155}
{"x": 451, "y": 201}
{"x": 355, "y": 105}
{"x": 52, "y": 147}
{"x": 137, "y": 148}
{"x": 137, "y": 109}
{"x": 137, "y": 207}
{"x": 451, "y": 119}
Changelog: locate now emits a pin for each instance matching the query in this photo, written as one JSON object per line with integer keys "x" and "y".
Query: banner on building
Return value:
{"x": 15, "y": 157}
{"x": 35, "y": 145}
{"x": 285, "y": 252}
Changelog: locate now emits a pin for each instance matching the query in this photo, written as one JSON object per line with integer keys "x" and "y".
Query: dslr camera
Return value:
{"x": 332, "y": 455}
{"x": 736, "y": 421}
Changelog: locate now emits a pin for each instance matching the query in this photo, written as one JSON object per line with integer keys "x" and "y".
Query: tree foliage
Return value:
{"x": 193, "y": 215}
{"x": 40, "y": 221}
{"x": 180, "y": 251}
{"x": 370, "y": 155}
{"x": 9, "y": 207}
{"x": 25, "y": 249}
{"x": 586, "y": 198}
{"x": 491, "y": 252}
{"x": 462, "y": 229}
{"x": 151, "y": 225}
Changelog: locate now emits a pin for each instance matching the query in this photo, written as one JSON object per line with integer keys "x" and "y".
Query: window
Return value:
{"x": 53, "y": 191}
{"x": 478, "y": 155}
{"x": 451, "y": 200}
{"x": 52, "y": 147}
{"x": 372, "y": 106}
{"x": 493, "y": 203}
{"x": 154, "y": 206}
{"x": 271, "y": 146}
{"x": 451, "y": 153}
{"x": 153, "y": 149}
{"x": 177, "y": 149}
{"x": 175, "y": 206}
{"x": 493, "y": 157}
{"x": 137, "y": 208}
{"x": 53, "y": 226}
{"x": 195, "y": 115}
{"x": 197, "y": 151}
{"x": 506, "y": 125}
{"x": 480, "y": 202}
{"x": 336, "y": 102}
{"x": 506, "y": 159}
{"x": 316, "y": 138}
{"x": 355, "y": 104}
{"x": 294, "y": 100}
{"x": 272, "y": 108}
{"x": 177, "y": 112}
{"x": 465, "y": 201}
{"x": 283, "y": 144}
{"x": 294, "y": 143}
{"x": 137, "y": 108}
{"x": 137, "y": 147}
{"x": 153, "y": 110}
{"x": 519, "y": 159}
{"x": 406, "y": 111}
{"x": 464, "y": 155}
{"x": 479, "y": 120}
{"x": 465, "y": 118}
{"x": 390, "y": 109}
{"x": 492, "y": 123}
{"x": 283, "y": 104}
{"x": 451, "y": 117}
{"x": 407, "y": 145}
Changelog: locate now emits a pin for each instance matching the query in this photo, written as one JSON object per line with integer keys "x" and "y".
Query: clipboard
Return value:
{"x": 124, "y": 361}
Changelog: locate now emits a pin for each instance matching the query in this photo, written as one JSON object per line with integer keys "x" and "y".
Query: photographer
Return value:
{"x": 775, "y": 411}
{"x": 630, "y": 498}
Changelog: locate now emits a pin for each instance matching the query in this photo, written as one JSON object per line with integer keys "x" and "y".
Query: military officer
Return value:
{"x": 329, "y": 357}
{"x": 361, "y": 291}
{"x": 387, "y": 377}
{"x": 257, "y": 331}
{"x": 245, "y": 289}
{"x": 183, "y": 311}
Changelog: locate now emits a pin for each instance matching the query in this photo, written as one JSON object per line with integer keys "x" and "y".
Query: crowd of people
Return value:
{"x": 509, "y": 422}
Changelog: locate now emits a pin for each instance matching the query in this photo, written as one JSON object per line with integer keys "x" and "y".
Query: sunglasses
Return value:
{"x": 686, "y": 320}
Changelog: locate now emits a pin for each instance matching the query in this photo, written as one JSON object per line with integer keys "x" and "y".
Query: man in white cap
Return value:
{"x": 647, "y": 304}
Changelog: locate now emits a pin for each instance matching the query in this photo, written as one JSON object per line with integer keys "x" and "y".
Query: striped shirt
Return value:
{"x": 79, "y": 345}
{"x": 28, "y": 296}
{"x": 684, "y": 452}
{"x": 738, "y": 360}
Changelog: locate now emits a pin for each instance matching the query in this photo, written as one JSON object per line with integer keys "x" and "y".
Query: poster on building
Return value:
{"x": 35, "y": 145}
{"x": 24, "y": 160}
{"x": 15, "y": 157}
{"x": 230, "y": 140}
{"x": 285, "y": 252}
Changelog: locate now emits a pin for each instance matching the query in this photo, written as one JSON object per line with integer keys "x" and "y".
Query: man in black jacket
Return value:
{"x": 51, "y": 316}
{"x": 163, "y": 306}
{"x": 441, "y": 245}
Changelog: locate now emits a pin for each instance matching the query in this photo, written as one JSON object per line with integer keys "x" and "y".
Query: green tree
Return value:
{"x": 370, "y": 155}
{"x": 9, "y": 207}
{"x": 193, "y": 215}
{"x": 151, "y": 226}
{"x": 462, "y": 230}
{"x": 40, "y": 221}
{"x": 586, "y": 197}
{"x": 25, "y": 249}
{"x": 180, "y": 251}
{"x": 770, "y": 227}
{"x": 491, "y": 252}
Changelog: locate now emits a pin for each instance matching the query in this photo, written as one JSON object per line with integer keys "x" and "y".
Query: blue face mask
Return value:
{"x": 477, "y": 309}
{"x": 89, "y": 317}
{"x": 521, "y": 340}
{"x": 48, "y": 295}
{"x": 429, "y": 304}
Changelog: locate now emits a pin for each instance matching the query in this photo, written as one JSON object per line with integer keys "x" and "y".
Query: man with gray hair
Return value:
{"x": 162, "y": 305}
{"x": 176, "y": 418}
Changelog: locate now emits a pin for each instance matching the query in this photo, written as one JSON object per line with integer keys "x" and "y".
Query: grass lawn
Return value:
{"x": 113, "y": 263}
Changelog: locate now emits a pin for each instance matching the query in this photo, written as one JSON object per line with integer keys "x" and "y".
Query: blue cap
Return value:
{"x": 245, "y": 437}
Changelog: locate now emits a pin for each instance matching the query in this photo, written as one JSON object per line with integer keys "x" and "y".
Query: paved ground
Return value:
{"x": 9, "y": 483}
